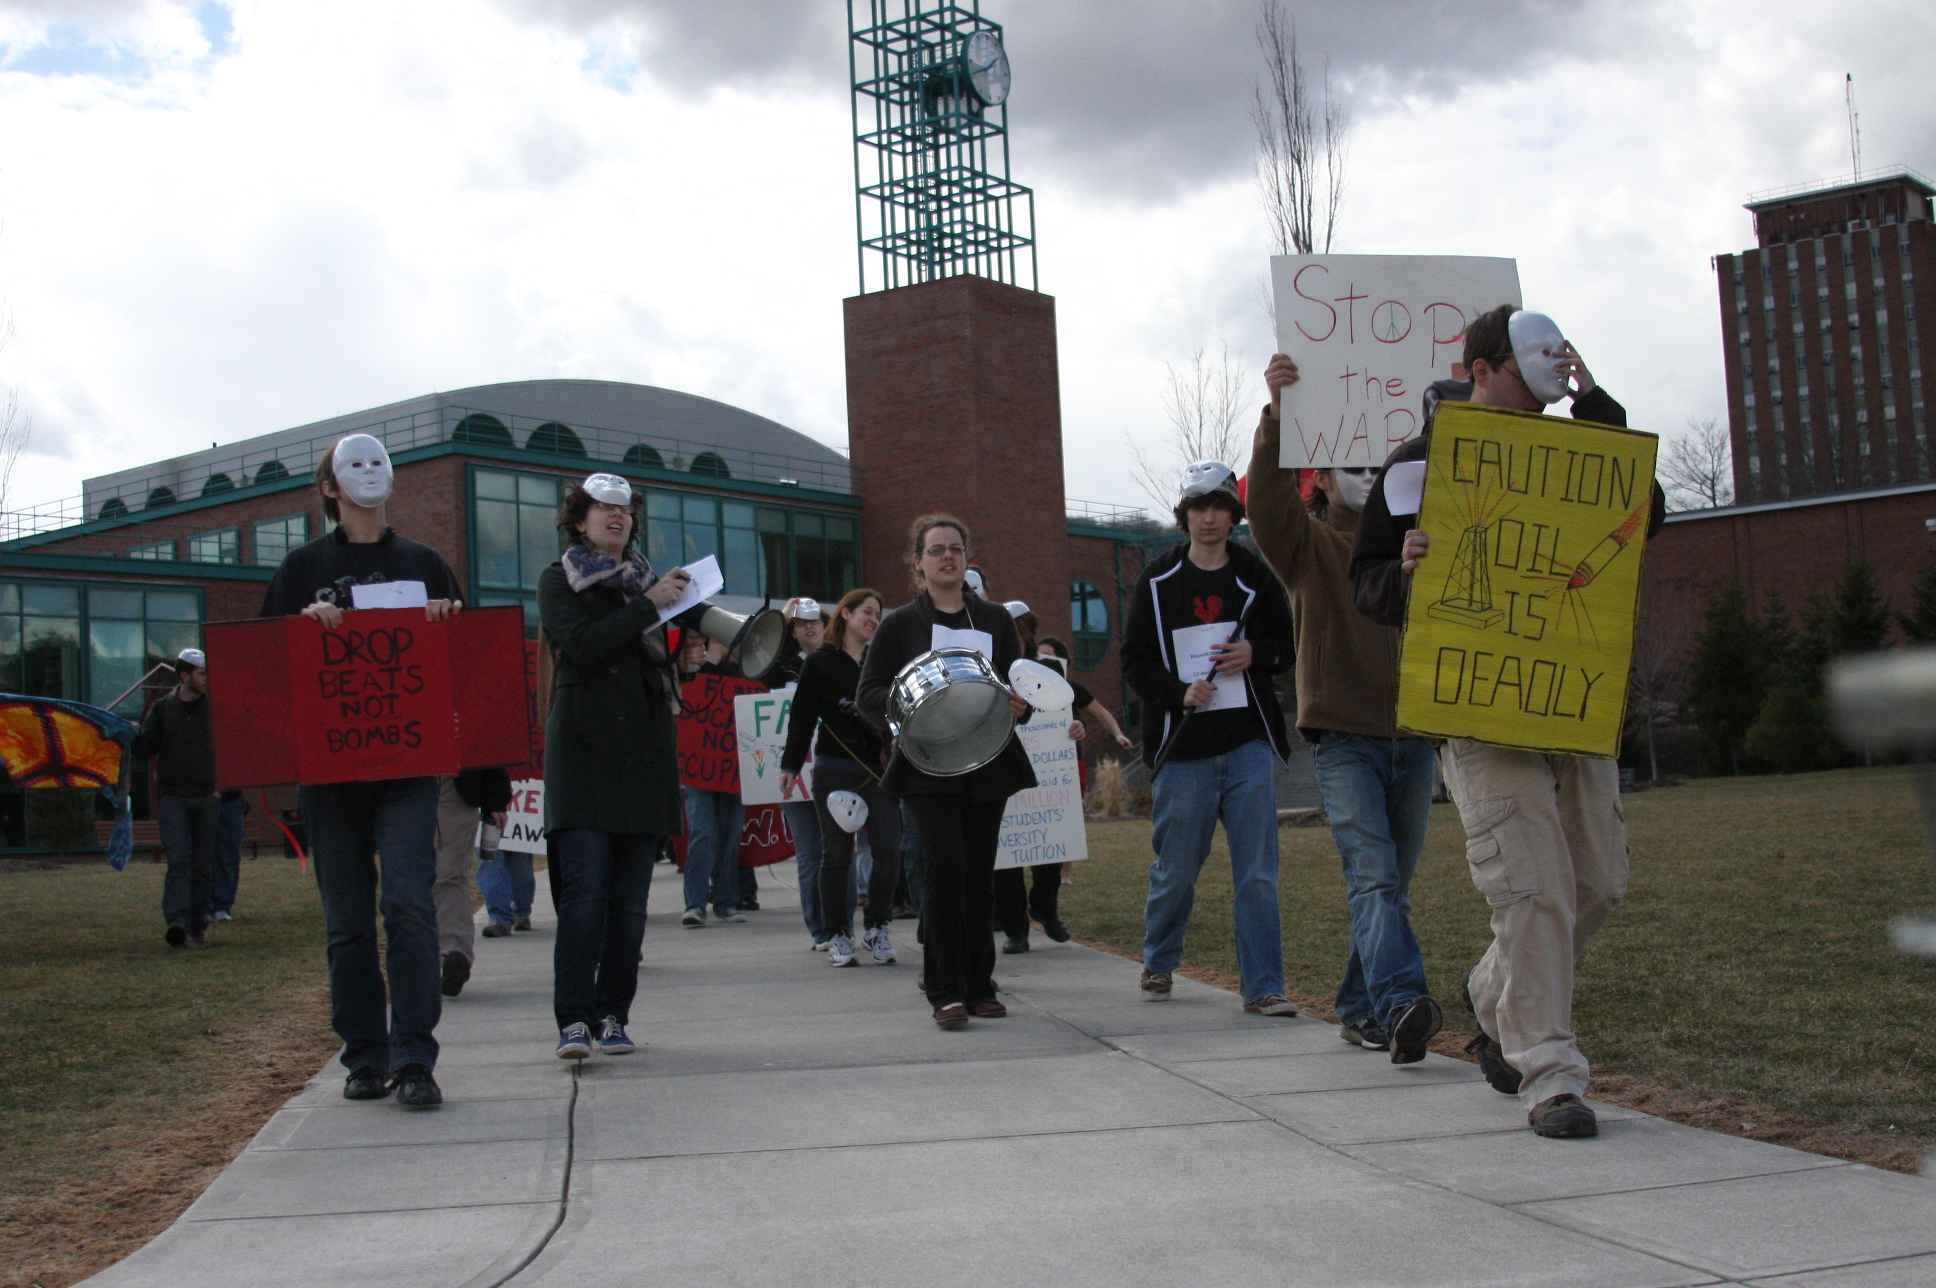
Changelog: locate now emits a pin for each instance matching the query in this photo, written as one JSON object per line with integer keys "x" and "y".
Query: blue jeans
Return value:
{"x": 714, "y": 821}
{"x": 603, "y": 879}
{"x": 227, "y": 873}
{"x": 1378, "y": 795}
{"x": 352, "y": 828}
{"x": 1189, "y": 797}
{"x": 504, "y": 879}
{"x": 188, "y": 834}
{"x": 803, "y": 821}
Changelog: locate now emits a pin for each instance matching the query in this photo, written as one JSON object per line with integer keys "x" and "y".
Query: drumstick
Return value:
{"x": 1169, "y": 743}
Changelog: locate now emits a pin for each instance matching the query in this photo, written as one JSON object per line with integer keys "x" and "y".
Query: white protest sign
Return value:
{"x": 760, "y": 720}
{"x": 524, "y": 829}
{"x": 1044, "y": 824}
{"x": 1369, "y": 333}
{"x": 1193, "y": 663}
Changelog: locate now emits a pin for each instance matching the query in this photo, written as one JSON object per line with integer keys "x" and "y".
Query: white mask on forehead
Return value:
{"x": 362, "y": 470}
{"x": 1539, "y": 346}
{"x": 1354, "y": 486}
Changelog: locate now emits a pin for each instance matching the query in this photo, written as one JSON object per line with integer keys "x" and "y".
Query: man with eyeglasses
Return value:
{"x": 1376, "y": 784}
{"x": 1551, "y": 823}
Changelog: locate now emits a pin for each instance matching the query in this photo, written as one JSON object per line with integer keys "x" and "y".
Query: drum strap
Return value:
{"x": 850, "y": 753}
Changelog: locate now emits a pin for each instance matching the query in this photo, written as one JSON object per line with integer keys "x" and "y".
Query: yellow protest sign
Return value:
{"x": 1519, "y": 631}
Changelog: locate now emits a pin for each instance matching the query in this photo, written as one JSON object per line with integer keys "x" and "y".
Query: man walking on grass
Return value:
{"x": 177, "y": 734}
{"x": 1207, "y": 630}
{"x": 1545, "y": 837}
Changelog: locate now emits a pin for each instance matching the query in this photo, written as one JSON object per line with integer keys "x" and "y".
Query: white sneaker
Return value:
{"x": 840, "y": 951}
{"x": 222, "y": 916}
{"x": 880, "y": 945}
{"x": 693, "y": 917}
{"x": 820, "y": 945}
{"x": 730, "y": 915}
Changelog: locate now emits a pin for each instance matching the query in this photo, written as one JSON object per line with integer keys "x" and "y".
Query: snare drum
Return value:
{"x": 948, "y": 712}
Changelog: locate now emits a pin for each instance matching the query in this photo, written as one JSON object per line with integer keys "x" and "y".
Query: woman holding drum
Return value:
{"x": 957, "y": 815}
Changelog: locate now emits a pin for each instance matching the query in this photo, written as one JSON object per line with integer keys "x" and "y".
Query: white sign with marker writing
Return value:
{"x": 1369, "y": 333}
{"x": 1044, "y": 824}
{"x": 524, "y": 828}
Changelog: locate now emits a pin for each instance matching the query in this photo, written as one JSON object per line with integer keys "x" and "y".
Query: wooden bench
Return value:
{"x": 147, "y": 835}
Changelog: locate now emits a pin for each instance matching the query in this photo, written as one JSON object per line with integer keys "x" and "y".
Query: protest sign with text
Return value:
{"x": 1369, "y": 333}
{"x": 1519, "y": 630}
{"x": 524, "y": 828}
{"x": 760, "y": 723}
{"x": 1044, "y": 824}
{"x": 708, "y": 741}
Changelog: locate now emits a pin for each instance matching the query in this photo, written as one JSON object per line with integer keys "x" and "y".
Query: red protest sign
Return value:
{"x": 764, "y": 838}
{"x": 708, "y": 738}
{"x": 384, "y": 695}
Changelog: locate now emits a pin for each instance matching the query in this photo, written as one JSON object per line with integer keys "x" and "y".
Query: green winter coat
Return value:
{"x": 611, "y": 742}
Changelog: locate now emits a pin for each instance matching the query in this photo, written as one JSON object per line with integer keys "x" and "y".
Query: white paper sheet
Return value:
{"x": 1193, "y": 662}
{"x": 389, "y": 594}
{"x": 706, "y": 582}
{"x": 981, "y": 641}
{"x": 1404, "y": 485}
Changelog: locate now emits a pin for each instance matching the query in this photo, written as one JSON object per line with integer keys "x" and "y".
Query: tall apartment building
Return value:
{"x": 1827, "y": 323}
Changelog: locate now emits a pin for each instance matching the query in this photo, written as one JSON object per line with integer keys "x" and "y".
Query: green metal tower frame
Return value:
{"x": 932, "y": 196}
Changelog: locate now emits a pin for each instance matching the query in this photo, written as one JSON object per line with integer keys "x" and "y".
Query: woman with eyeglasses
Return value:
{"x": 959, "y": 818}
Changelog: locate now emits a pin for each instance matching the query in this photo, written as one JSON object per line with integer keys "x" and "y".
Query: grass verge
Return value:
{"x": 134, "y": 1071}
{"x": 1746, "y": 985}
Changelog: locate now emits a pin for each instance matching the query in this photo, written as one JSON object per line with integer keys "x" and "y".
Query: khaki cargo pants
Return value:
{"x": 456, "y": 855}
{"x": 1546, "y": 841}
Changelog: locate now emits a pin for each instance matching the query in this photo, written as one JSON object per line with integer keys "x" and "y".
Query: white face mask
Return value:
{"x": 1539, "y": 346}
{"x": 1354, "y": 486}
{"x": 362, "y": 470}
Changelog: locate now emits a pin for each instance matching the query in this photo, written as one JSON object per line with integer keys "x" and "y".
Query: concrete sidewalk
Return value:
{"x": 788, "y": 1123}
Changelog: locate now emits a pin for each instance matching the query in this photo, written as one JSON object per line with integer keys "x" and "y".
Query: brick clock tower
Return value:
{"x": 953, "y": 399}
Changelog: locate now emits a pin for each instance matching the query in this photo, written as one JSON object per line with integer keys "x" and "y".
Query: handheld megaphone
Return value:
{"x": 848, "y": 810}
{"x": 1040, "y": 686}
{"x": 757, "y": 639}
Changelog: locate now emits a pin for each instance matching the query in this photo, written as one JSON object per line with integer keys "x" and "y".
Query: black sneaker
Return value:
{"x": 198, "y": 936}
{"x": 1504, "y": 1078}
{"x": 1414, "y": 1028}
{"x": 750, "y": 904}
{"x": 1156, "y": 986}
{"x": 1367, "y": 1034}
{"x": 1015, "y": 945}
{"x": 367, "y": 1083}
{"x": 496, "y": 930}
{"x": 177, "y": 935}
{"x": 522, "y": 923}
{"x": 457, "y": 973}
{"x": 1058, "y": 930}
{"x": 1563, "y": 1117}
{"x": 416, "y": 1088}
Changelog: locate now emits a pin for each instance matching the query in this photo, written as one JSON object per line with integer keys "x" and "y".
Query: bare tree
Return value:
{"x": 1301, "y": 139}
{"x": 1698, "y": 468}
{"x": 15, "y": 426}
{"x": 1205, "y": 404}
{"x": 1663, "y": 632}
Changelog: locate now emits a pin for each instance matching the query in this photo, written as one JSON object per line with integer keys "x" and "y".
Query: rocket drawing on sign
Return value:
{"x": 1609, "y": 549}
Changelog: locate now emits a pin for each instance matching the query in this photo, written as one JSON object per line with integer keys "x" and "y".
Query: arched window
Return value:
{"x": 556, "y": 439}
{"x": 218, "y": 483}
{"x": 112, "y": 508}
{"x": 645, "y": 455}
{"x": 711, "y": 464}
{"x": 271, "y": 472}
{"x": 486, "y": 431}
{"x": 1089, "y": 616}
{"x": 159, "y": 497}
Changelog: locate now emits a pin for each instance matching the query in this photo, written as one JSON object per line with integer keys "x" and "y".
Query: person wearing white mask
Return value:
{"x": 1376, "y": 784}
{"x": 357, "y": 828}
{"x": 1566, "y": 841}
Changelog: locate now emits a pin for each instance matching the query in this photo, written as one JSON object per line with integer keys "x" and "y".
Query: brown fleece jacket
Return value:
{"x": 1347, "y": 664}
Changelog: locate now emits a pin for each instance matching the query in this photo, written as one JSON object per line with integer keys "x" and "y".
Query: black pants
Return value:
{"x": 835, "y": 881}
{"x": 958, "y": 841}
{"x": 1013, "y": 907}
{"x": 603, "y": 881}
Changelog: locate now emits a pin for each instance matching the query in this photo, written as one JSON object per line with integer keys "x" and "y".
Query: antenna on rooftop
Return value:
{"x": 1855, "y": 123}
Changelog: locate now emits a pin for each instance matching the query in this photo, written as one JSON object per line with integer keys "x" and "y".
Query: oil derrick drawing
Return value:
{"x": 1468, "y": 591}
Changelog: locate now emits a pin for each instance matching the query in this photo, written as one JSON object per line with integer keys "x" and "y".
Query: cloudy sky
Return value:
{"x": 222, "y": 219}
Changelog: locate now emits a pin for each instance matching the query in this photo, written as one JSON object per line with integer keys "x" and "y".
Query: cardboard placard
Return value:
{"x": 1045, "y": 824}
{"x": 524, "y": 828}
{"x": 760, "y": 730}
{"x": 708, "y": 739}
{"x": 1519, "y": 629}
{"x": 385, "y": 695}
{"x": 1369, "y": 333}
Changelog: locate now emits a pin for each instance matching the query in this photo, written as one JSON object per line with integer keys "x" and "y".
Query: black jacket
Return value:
{"x": 324, "y": 570}
{"x": 485, "y": 789}
{"x": 829, "y": 677}
{"x": 907, "y": 633}
{"x": 181, "y": 737}
{"x": 1380, "y": 584}
{"x": 1151, "y": 670}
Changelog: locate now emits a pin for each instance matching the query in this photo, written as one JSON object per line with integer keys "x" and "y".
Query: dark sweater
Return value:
{"x": 829, "y": 679}
{"x": 323, "y": 571}
{"x": 181, "y": 738}
{"x": 1379, "y": 581}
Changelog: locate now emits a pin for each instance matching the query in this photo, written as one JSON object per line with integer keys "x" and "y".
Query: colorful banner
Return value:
{"x": 1519, "y": 631}
{"x": 761, "y": 721}
{"x": 1045, "y": 824}
{"x": 1369, "y": 333}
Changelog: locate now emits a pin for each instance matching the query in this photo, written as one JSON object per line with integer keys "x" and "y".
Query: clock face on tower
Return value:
{"x": 988, "y": 67}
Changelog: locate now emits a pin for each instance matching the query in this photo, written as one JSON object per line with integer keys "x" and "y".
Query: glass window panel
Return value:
{"x": 662, "y": 545}
{"x": 496, "y": 485}
{"x": 699, "y": 542}
{"x": 114, "y": 603}
{"x": 840, "y": 529}
{"x": 779, "y": 562}
{"x": 538, "y": 543}
{"x": 773, "y": 521}
{"x": 536, "y": 489}
{"x": 166, "y": 640}
{"x": 159, "y": 550}
{"x": 497, "y": 549}
{"x": 742, "y": 564}
{"x": 9, "y": 596}
{"x": 275, "y": 538}
{"x": 118, "y": 656}
{"x": 51, "y": 657}
{"x": 737, "y": 514}
{"x": 50, "y": 601}
{"x": 843, "y": 566}
{"x": 810, "y": 577}
{"x": 808, "y": 525}
{"x": 699, "y": 509}
{"x": 662, "y": 505}
{"x": 10, "y": 654}
{"x": 174, "y": 605}
{"x": 216, "y": 547}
